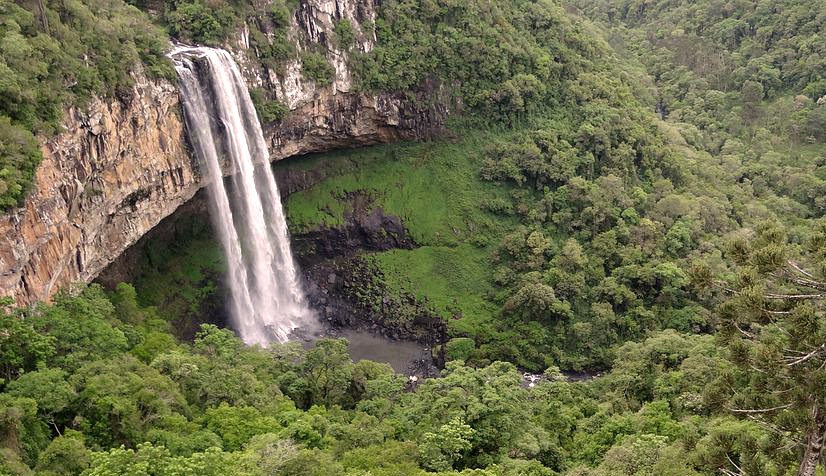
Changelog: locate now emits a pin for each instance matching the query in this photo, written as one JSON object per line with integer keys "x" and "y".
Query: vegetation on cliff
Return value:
{"x": 642, "y": 198}
{"x": 505, "y": 59}
{"x": 59, "y": 54}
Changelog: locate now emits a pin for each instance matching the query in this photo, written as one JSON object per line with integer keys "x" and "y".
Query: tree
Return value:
{"x": 441, "y": 449}
{"x": 81, "y": 323}
{"x": 49, "y": 388}
{"x": 752, "y": 95}
{"x": 537, "y": 301}
{"x": 774, "y": 324}
{"x": 488, "y": 400}
{"x": 120, "y": 399}
{"x": 125, "y": 301}
{"x": 21, "y": 346}
{"x": 328, "y": 369}
{"x": 236, "y": 425}
{"x": 66, "y": 455}
{"x": 644, "y": 455}
{"x": 12, "y": 465}
{"x": 312, "y": 462}
{"x": 151, "y": 460}
{"x": 644, "y": 370}
{"x": 267, "y": 454}
{"x": 214, "y": 342}
{"x": 21, "y": 431}
{"x": 374, "y": 380}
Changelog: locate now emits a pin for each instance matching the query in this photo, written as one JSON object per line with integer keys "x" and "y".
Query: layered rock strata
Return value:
{"x": 123, "y": 164}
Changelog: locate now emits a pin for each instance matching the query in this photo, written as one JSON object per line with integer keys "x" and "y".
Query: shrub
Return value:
{"x": 460, "y": 348}
{"x": 268, "y": 110}
{"x": 317, "y": 68}
{"x": 345, "y": 34}
{"x": 194, "y": 21}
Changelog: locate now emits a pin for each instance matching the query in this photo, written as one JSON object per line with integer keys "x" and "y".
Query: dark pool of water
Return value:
{"x": 404, "y": 356}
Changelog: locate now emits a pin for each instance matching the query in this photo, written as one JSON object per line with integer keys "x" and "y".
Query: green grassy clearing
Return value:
{"x": 435, "y": 189}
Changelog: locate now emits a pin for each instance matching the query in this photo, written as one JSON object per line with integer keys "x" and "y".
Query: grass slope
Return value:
{"x": 435, "y": 189}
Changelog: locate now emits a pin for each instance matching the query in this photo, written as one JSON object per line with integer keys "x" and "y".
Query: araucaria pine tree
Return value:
{"x": 773, "y": 321}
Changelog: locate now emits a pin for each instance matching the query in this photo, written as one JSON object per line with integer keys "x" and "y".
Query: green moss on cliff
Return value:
{"x": 433, "y": 187}
{"x": 179, "y": 275}
{"x": 436, "y": 190}
{"x": 454, "y": 280}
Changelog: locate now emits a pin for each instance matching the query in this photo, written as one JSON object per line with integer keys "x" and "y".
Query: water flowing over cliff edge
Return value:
{"x": 123, "y": 164}
{"x": 266, "y": 298}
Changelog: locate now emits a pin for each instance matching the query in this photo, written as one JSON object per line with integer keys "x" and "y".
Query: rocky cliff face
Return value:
{"x": 336, "y": 116}
{"x": 122, "y": 165}
{"x": 116, "y": 170}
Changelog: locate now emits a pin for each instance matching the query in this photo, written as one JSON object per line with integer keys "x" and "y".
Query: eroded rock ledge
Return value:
{"x": 122, "y": 165}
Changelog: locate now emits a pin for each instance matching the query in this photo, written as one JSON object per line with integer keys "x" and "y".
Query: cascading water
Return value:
{"x": 267, "y": 301}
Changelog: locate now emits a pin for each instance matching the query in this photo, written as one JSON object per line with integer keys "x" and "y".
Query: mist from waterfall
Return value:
{"x": 267, "y": 300}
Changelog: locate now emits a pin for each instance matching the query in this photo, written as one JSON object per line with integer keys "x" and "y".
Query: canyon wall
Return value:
{"x": 123, "y": 164}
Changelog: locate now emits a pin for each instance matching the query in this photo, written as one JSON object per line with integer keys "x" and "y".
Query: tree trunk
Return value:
{"x": 41, "y": 12}
{"x": 814, "y": 443}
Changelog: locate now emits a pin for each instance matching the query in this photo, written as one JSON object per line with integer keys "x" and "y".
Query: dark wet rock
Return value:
{"x": 370, "y": 231}
{"x": 360, "y": 300}
{"x": 350, "y": 288}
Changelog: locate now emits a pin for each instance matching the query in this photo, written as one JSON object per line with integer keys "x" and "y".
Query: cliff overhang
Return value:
{"x": 121, "y": 165}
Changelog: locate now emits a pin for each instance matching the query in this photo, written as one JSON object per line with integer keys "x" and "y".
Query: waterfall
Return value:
{"x": 267, "y": 301}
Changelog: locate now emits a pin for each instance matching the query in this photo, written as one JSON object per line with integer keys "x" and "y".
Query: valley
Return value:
{"x": 412, "y": 237}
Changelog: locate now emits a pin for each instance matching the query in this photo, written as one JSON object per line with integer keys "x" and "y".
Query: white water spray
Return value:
{"x": 267, "y": 301}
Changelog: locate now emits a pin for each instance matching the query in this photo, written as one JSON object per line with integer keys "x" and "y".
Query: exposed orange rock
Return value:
{"x": 122, "y": 165}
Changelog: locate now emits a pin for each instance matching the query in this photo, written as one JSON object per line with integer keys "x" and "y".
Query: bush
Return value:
{"x": 268, "y": 110}
{"x": 345, "y": 34}
{"x": 194, "y": 21}
{"x": 460, "y": 348}
{"x": 19, "y": 156}
{"x": 272, "y": 50}
{"x": 316, "y": 67}
{"x": 498, "y": 205}
{"x": 279, "y": 13}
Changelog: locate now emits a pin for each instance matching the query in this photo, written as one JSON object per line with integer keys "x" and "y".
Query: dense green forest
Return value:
{"x": 57, "y": 54}
{"x": 634, "y": 190}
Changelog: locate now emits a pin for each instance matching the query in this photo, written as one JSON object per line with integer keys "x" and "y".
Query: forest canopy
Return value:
{"x": 629, "y": 204}
{"x": 60, "y": 54}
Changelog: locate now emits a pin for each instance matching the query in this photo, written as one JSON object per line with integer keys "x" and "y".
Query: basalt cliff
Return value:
{"x": 123, "y": 164}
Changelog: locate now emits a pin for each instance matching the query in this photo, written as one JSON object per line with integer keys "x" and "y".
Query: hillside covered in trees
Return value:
{"x": 629, "y": 203}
